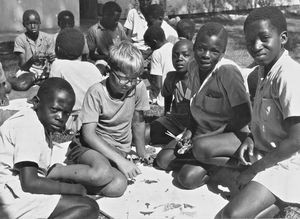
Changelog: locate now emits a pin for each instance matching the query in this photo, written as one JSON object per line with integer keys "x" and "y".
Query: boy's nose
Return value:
{"x": 257, "y": 45}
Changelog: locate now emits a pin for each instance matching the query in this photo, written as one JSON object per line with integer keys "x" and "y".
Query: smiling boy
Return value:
{"x": 220, "y": 109}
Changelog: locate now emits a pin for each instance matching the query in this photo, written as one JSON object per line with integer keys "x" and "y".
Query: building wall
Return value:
{"x": 11, "y": 12}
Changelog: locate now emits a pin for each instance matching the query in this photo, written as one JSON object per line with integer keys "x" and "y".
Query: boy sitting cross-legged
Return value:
{"x": 112, "y": 115}
{"x": 26, "y": 153}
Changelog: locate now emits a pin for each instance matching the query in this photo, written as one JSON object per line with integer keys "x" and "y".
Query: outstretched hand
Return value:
{"x": 128, "y": 168}
{"x": 245, "y": 151}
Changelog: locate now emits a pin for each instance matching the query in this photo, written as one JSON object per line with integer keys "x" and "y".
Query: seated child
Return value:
{"x": 220, "y": 109}
{"x": 5, "y": 88}
{"x": 186, "y": 29}
{"x": 161, "y": 60}
{"x": 177, "y": 94}
{"x": 107, "y": 32}
{"x": 65, "y": 19}
{"x": 154, "y": 15}
{"x": 68, "y": 65}
{"x": 275, "y": 125}
{"x": 26, "y": 153}
{"x": 112, "y": 115}
{"x": 32, "y": 47}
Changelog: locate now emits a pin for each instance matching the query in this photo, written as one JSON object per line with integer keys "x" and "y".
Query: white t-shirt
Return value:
{"x": 22, "y": 138}
{"x": 170, "y": 32}
{"x": 80, "y": 74}
{"x": 161, "y": 64}
{"x": 136, "y": 22}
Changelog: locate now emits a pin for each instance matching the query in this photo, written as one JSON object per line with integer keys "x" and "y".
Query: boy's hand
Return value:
{"x": 245, "y": 151}
{"x": 186, "y": 136}
{"x": 128, "y": 168}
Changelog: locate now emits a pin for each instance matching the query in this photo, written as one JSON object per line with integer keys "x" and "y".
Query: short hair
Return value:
{"x": 29, "y": 12}
{"x": 109, "y": 8}
{"x": 126, "y": 58}
{"x": 185, "y": 27}
{"x": 271, "y": 13}
{"x": 52, "y": 85}
{"x": 65, "y": 18}
{"x": 183, "y": 42}
{"x": 69, "y": 44}
{"x": 154, "y": 32}
{"x": 155, "y": 10}
{"x": 212, "y": 29}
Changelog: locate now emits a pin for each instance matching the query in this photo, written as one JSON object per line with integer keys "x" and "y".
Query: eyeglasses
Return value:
{"x": 125, "y": 80}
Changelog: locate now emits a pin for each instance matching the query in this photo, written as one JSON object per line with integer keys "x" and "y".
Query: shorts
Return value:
{"x": 77, "y": 149}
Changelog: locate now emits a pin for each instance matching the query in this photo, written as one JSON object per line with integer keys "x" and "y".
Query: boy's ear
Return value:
{"x": 284, "y": 37}
{"x": 35, "y": 101}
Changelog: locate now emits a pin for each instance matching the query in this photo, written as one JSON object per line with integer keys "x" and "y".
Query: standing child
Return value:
{"x": 31, "y": 47}
{"x": 220, "y": 109}
{"x": 275, "y": 122}
{"x": 26, "y": 154}
{"x": 177, "y": 93}
{"x": 68, "y": 65}
{"x": 161, "y": 60}
{"x": 112, "y": 115}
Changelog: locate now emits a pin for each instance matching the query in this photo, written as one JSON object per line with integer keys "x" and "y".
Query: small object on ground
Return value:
{"x": 146, "y": 212}
{"x": 147, "y": 204}
{"x": 148, "y": 181}
{"x": 130, "y": 181}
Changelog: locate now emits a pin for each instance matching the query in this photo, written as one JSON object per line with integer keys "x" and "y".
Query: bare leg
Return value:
{"x": 216, "y": 149}
{"x": 75, "y": 207}
{"x": 252, "y": 200}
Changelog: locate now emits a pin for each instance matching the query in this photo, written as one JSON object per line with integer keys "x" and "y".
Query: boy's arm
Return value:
{"x": 138, "y": 132}
{"x": 31, "y": 182}
{"x": 95, "y": 141}
{"x": 286, "y": 148}
{"x": 21, "y": 58}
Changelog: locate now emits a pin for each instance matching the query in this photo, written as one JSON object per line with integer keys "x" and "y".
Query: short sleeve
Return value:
{"x": 19, "y": 46}
{"x": 90, "y": 39}
{"x": 92, "y": 104}
{"x": 234, "y": 85}
{"x": 27, "y": 147}
{"x": 156, "y": 65}
{"x": 142, "y": 100}
{"x": 288, "y": 92}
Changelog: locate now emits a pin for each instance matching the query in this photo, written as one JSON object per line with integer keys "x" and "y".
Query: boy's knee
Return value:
{"x": 100, "y": 175}
{"x": 201, "y": 150}
{"x": 190, "y": 179}
{"x": 163, "y": 159}
{"x": 90, "y": 208}
{"x": 119, "y": 184}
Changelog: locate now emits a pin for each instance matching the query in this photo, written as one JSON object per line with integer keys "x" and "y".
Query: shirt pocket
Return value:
{"x": 270, "y": 112}
{"x": 213, "y": 105}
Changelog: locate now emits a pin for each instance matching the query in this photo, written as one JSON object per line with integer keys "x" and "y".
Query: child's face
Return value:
{"x": 208, "y": 50}
{"x": 264, "y": 43}
{"x": 111, "y": 20}
{"x": 181, "y": 54}
{"x": 121, "y": 83}
{"x": 55, "y": 111}
{"x": 32, "y": 25}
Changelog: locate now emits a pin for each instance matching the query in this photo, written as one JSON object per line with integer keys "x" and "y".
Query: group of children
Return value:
{"x": 206, "y": 102}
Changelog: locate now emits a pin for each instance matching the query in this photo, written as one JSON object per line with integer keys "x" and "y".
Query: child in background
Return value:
{"x": 65, "y": 19}
{"x": 5, "y": 88}
{"x": 154, "y": 15}
{"x": 186, "y": 29}
{"x": 68, "y": 65}
{"x": 112, "y": 115}
{"x": 31, "y": 47}
{"x": 107, "y": 32}
{"x": 135, "y": 26}
{"x": 161, "y": 60}
{"x": 26, "y": 153}
{"x": 271, "y": 181}
{"x": 177, "y": 94}
{"x": 220, "y": 109}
